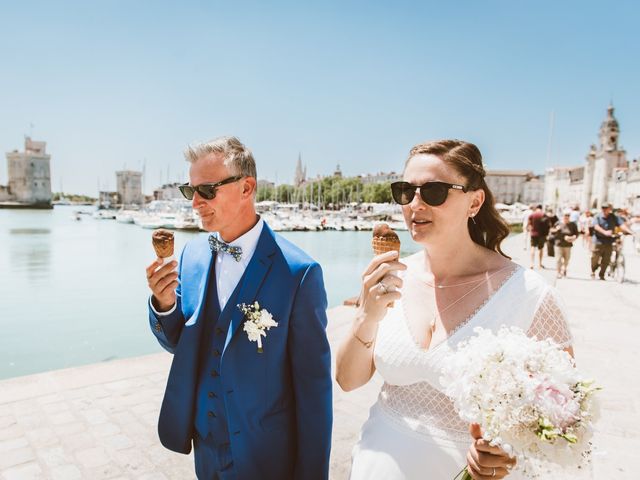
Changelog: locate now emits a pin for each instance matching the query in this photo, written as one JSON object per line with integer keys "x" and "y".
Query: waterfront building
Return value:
{"x": 107, "y": 199}
{"x": 381, "y": 177}
{"x": 606, "y": 175}
{"x": 508, "y": 186}
{"x": 29, "y": 176}
{"x": 129, "y": 187}
{"x": 533, "y": 190}
{"x": 265, "y": 184}
{"x": 168, "y": 191}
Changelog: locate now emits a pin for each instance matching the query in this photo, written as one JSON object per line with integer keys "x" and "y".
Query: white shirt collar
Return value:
{"x": 247, "y": 241}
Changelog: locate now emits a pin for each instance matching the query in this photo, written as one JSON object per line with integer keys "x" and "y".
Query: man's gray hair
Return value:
{"x": 237, "y": 158}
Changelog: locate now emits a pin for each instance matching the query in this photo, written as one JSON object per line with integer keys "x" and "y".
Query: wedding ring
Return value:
{"x": 494, "y": 472}
{"x": 383, "y": 288}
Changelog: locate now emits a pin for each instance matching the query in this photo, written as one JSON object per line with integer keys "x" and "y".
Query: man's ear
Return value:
{"x": 249, "y": 185}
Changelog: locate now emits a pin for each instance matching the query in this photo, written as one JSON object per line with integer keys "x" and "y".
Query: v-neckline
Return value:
{"x": 465, "y": 322}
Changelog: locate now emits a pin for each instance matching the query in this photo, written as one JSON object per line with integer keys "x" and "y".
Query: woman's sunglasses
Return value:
{"x": 206, "y": 190}
{"x": 432, "y": 193}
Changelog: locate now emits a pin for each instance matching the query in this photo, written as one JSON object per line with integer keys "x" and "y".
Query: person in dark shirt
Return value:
{"x": 539, "y": 229}
{"x": 565, "y": 233}
{"x": 604, "y": 227}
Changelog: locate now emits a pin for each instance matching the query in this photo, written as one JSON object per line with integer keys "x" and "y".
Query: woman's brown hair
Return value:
{"x": 489, "y": 228}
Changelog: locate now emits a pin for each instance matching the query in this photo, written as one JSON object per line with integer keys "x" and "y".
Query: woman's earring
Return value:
{"x": 473, "y": 219}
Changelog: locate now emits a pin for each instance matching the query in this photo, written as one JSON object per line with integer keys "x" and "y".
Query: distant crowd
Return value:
{"x": 555, "y": 232}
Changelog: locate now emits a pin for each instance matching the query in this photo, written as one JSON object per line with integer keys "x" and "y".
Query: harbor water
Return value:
{"x": 74, "y": 292}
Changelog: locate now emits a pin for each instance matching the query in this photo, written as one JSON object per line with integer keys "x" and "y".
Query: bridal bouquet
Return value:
{"x": 526, "y": 395}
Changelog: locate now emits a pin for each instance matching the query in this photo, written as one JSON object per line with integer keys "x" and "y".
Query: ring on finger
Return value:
{"x": 382, "y": 287}
{"x": 494, "y": 472}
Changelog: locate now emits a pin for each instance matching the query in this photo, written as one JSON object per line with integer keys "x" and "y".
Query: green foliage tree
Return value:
{"x": 377, "y": 193}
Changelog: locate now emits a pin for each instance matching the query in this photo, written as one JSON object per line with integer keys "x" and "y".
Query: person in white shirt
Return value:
{"x": 526, "y": 229}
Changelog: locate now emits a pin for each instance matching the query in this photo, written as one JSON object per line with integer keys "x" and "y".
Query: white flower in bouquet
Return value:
{"x": 526, "y": 395}
{"x": 258, "y": 322}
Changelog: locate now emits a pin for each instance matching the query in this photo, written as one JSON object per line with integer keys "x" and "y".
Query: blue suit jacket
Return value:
{"x": 281, "y": 400}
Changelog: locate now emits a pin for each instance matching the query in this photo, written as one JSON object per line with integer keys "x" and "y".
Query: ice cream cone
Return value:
{"x": 385, "y": 240}
{"x": 163, "y": 244}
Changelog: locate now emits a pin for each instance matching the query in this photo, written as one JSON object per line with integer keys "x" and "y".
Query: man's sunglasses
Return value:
{"x": 432, "y": 193}
{"x": 206, "y": 190}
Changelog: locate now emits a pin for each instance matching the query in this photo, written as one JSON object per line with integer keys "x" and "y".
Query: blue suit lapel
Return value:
{"x": 202, "y": 292}
{"x": 251, "y": 281}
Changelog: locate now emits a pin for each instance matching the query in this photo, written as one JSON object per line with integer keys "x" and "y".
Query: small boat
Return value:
{"x": 104, "y": 215}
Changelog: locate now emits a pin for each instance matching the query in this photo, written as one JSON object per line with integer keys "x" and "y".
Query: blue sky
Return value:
{"x": 111, "y": 84}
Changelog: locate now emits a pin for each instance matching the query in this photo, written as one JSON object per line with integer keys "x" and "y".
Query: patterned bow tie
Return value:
{"x": 219, "y": 246}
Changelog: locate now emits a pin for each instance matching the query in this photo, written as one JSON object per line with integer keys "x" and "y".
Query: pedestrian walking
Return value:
{"x": 604, "y": 226}
{"x": 539, "y": 229}
{"x": 525, "y": 225}
{"x": 585, "y": 227}
{"x": 565, "y": 233}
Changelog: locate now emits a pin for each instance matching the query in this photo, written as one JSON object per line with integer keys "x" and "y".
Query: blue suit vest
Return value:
{"x": 211, "y": 415}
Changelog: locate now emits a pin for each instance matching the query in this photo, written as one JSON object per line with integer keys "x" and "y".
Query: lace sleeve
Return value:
{"x": 550, "y": 320}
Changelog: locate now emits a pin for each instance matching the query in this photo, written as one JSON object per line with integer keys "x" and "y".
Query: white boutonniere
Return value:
{"x": 258, "y": 321}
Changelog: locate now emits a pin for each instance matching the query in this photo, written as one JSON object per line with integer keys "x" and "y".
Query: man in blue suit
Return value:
{"x": 249, "y": 387}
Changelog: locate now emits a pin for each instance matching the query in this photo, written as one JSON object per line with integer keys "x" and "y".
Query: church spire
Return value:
{"x": 301, "y": 172}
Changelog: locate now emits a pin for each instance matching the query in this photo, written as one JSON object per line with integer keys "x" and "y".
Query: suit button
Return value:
{"x": 214, "y": 373}
{"x": 219, "y": 331}
{"x": 216, "y": 353}
{"x": 212, "y": 395}
{"x": 211, "y": 414}
{"x": 158, "y": 327}
{"x": 236, "y": 432}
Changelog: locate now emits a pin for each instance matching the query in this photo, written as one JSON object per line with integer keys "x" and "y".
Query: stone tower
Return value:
{"x": 30, "y": 174}
{"x": 609, "y": 132}
{"x": 129, "y": 187}
{"x": 601, "y": 161}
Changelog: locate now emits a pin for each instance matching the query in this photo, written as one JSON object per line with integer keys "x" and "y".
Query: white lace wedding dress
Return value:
{"x": 413, "y": 431}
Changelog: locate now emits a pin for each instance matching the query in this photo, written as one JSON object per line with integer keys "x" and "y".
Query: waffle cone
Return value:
{"x": 386, "y": 244}
{"x": 163, "y": 243}
{"x": 383, "y": 245}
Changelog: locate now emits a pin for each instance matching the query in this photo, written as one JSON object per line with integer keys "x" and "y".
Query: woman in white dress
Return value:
{"x": 460, "y": 280}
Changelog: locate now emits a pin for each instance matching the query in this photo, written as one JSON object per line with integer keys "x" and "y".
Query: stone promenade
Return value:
{"x": 98, "y": 421}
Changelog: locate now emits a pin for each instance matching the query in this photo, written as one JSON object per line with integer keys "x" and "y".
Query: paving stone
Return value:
{"x": 104, "y": 472}
{"x": 94, "y": 416}
{"x": 133, "y": 462}
{"x": 28, "y": 471}
{"x": 155, "y": 475}
{"x": 62, "y": 418}
{"x": 117, "y": 442}
{"x": 16, "y": 457}
{"x": 65, "y": 472}
{"x": 42, "y": 437}
{"x": 31, "y": 421}
{"x": 55, "y": 456}
{"x": 54, "y": 397}
{"x": 11, "y": 432}
{"x": 79, "y": 442}
{"x": 92, "y": 457}
{"x": 56, "y": 407}
{"x": 69, "y": 429}
{"x": 105, "y": 429}
{"x": 7, "y": 421}
{"x": 143, "y": 408}
{"x": 7, "y": 446}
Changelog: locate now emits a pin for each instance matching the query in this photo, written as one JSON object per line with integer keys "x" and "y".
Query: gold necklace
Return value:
{"x": 433, "y": 285}
{"x": 436, "y": 313}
